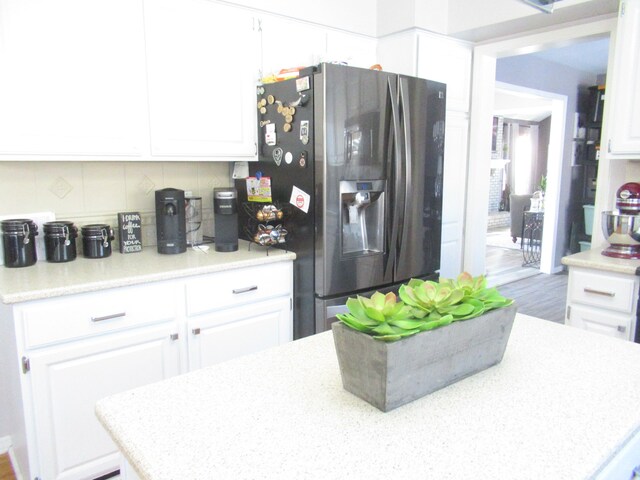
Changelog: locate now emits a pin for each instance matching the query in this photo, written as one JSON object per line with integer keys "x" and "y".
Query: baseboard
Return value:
{"x": 14, "y": 464}
{"x": 5, "y": 444}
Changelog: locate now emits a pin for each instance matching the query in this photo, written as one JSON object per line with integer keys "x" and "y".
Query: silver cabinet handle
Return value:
{"x": 174, "y": 336}
{"x": 244, "y": 290}
{"x": 108, "y": 317}
{"x": 195, "y": 331}
{"x": 599, "y": 292}
{"x": 622, "y": 328}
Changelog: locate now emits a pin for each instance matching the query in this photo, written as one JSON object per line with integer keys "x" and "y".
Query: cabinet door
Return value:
{"x": 70, "y": 85}
{"x": 356, "y": 50}
{"x": 202, "y": 61}
{"x": 288, "y": 44}
{"x": 623, "y": 120}
{"x": 66, "y": 381}
{"x": 600, "y": 321}
{"x": 453, "y": 196}
{"x": 449, "y": 62}
{"x": 234, "y": 332}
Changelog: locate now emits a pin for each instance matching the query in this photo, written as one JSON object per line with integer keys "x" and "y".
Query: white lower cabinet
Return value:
{"x": 66, "y": 382}
{"x": 602, "y": 302}
{"x": 68, "y": 352}
{"x": 230, "y": 333}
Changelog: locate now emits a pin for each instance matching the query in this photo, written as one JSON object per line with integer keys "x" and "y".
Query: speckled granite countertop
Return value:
{"x": 45, "y": 280}
{"x": 595, "y": 259}
{"x": 560, "y": 403}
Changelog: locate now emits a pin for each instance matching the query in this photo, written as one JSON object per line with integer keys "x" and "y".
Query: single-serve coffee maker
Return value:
{"x": 170, "y": 221}
{"x": 362, "y": 216}
{"x": 225, "y": 212}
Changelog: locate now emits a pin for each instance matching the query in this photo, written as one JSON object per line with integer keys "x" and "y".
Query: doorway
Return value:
{"x": 483, "y": 86}
{"x": 519, "y": 170}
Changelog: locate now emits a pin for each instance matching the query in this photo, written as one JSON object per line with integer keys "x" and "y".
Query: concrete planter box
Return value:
{"x": 391, "y": 374}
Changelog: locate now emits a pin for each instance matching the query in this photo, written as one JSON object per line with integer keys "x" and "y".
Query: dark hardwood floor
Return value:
{"x": 541, "y": 295}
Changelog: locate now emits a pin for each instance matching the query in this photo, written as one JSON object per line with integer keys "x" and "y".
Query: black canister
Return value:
{"x": 60, "y": 241}
{"x": 19, "y": 242}
{"x": 96, "y": 240}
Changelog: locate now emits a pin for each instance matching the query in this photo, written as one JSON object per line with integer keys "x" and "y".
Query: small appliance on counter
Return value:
{"x": 170, "y": 221}
{"x": 225, "y": 211}
{"x": 621, "y": 228}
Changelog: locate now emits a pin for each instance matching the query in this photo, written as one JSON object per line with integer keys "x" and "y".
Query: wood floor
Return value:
{"x": 6, "y": 472}
{"x": 542, "y": 295}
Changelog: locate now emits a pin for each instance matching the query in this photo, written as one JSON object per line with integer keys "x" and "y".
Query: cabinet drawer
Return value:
{"x": 236, "y": 287}
{"x": 609, "y": 291}
{"x": 84, "y": 315}
{"x": 605, "y": 323}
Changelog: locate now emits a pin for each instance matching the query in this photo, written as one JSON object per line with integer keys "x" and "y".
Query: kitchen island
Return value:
{"x": 560, "y": 405}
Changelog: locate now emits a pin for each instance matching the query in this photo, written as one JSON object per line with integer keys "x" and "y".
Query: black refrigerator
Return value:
{"x": 355, "y": 161}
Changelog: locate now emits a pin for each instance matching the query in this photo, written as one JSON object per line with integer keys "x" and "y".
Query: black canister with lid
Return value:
{"x": 96, "y": 240}
{"x": 60, "y": 241}
{"x": 19, "y": 242}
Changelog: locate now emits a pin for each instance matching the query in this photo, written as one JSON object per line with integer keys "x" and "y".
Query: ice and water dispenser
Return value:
{"x": 362, "y": 216}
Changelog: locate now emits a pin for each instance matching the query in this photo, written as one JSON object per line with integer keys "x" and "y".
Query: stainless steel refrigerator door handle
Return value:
{"x": 393, "y": 224}
{"x": 408, "y": 190}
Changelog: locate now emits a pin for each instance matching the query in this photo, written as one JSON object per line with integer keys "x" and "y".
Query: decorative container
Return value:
{"x": 391, "y": 374}
{"x": 19, "y": 242}
{"x": 60, "y": 241}
{"x": 96, "y": 240}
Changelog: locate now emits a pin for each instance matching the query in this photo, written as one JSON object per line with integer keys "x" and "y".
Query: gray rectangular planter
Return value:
{"x": 391, "y": 374}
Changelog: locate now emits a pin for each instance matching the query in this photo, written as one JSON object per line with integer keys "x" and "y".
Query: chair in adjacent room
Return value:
{"x": 518, "y": 204}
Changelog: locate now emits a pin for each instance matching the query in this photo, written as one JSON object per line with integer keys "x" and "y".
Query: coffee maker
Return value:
{"x": 225, "y": 210}
{"x": 170, "y": 221}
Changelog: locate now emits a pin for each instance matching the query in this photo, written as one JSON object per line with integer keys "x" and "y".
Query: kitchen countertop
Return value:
{"x": 561, "y": 402}
{"x": 594, "y": 259}
{"x": 46, "y": 280}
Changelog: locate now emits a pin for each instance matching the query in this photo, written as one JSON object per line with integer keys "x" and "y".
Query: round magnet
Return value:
{"x": 292, "y": 110}
{"x": 280, "y": 108}
{"x": 288, "y": 157}
{"x": 263, "y": 110}
{"x": 288, "y": 118}
{"x": 263, "y": 102}
{"x": 270, "y": 99}
{"x": 286, "y": 127}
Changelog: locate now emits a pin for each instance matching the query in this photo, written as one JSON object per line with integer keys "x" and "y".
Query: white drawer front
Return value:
{"x": 76, "y": 316}
{"x": 597, "y": 321}
{"x": 237, "y": 287}
{"x": 603, "y": 290}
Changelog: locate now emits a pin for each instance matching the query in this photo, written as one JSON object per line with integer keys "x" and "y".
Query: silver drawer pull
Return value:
{"x": 622, "y": 328}
{"x": 244, "y": 290}
{"x": 599, "y": 292}
{"x": 108, "y": 317}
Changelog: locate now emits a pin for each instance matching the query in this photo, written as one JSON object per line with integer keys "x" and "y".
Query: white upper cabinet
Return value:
{"x": 202, "y": 60}
{"x": 449, "y": 62}
{"x": 289, "y": 44}
{"x": 355, "y": 50}
{"x": 623, "y": 93}
{"x": 72, "y": 79}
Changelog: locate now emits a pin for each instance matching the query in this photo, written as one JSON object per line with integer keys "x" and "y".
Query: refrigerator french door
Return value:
{"x": 372, "y": 144}
{"x": 379, "y": 161}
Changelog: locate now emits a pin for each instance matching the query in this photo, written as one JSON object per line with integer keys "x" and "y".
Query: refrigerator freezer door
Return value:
{"x": 352, "y": 119}
{"x": 422, "y": 145}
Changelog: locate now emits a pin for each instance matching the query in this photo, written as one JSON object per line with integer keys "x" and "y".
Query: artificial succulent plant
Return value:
{"x": 423, "y": 305}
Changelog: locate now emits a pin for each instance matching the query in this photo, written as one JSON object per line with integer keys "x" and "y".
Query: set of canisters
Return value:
{"x": 19, "y": 241}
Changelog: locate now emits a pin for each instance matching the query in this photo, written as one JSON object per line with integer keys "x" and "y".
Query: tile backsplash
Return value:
{"x": 94, "y": 192}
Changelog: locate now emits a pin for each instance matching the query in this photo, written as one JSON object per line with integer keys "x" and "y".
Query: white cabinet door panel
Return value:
{"x": 455, "y": 160}
{"x": 356, "y": 50}
{"x": 600, "y": 321}
{"x": 202, "y": 70}
{"x": 624, "y": 121}
{"x": 68, "y": 380}
{"x": 230, "y": 333}
{"x": 72, "y": 79}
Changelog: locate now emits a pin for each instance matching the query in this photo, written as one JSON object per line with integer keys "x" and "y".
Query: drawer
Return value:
{"x": 605, "y": 290}
{"x": 597, "y": 321}
{"x": 66, "y": 318}
{"x": 212, "y": 292}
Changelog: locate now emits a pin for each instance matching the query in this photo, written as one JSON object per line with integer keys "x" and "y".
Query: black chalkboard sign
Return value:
{"x": 130, "y": 228}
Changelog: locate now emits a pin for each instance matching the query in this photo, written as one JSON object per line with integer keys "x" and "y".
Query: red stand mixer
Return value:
{"x": 622, "y": 228}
